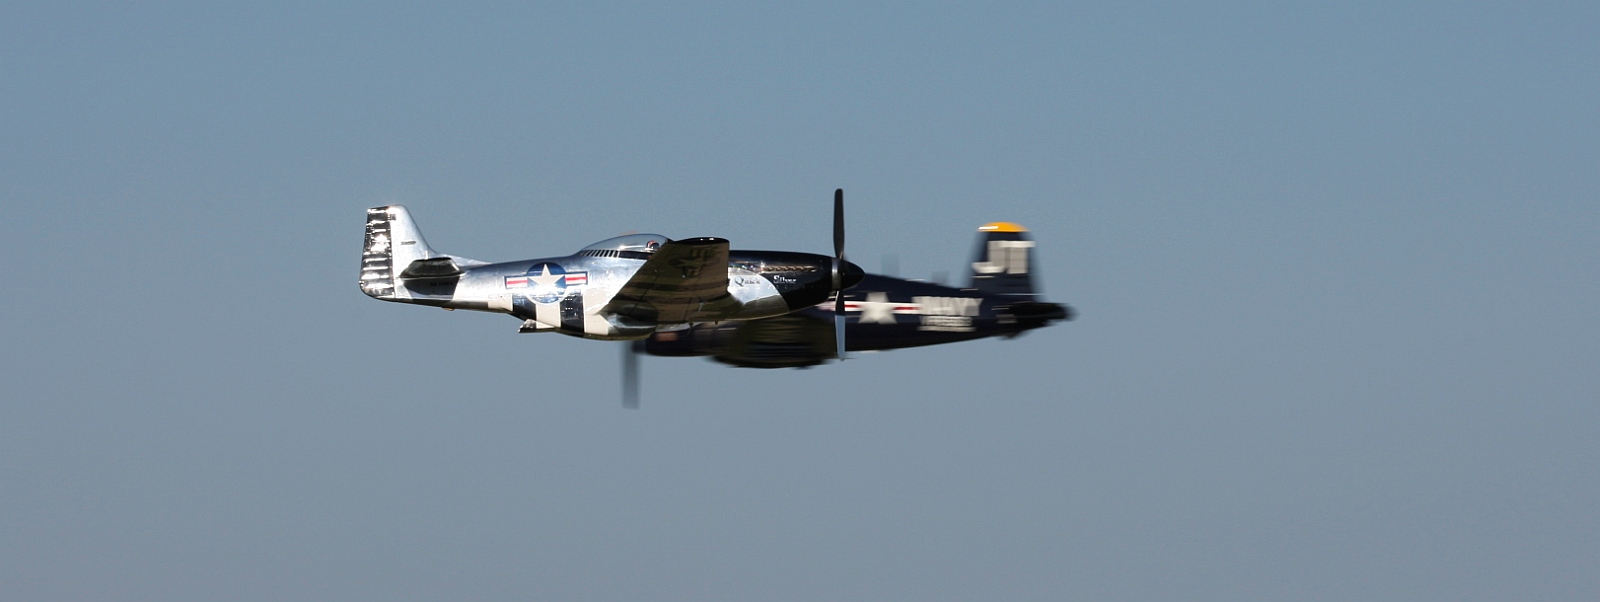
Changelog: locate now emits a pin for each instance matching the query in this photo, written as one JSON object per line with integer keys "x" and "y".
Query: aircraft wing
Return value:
{"x": 791, "y": 341}
{"x": 795, "y": 340}
{"x": 684, "y": 281}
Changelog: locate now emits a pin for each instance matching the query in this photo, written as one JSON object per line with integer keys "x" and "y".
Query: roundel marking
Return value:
{"x": 547, "y": 282}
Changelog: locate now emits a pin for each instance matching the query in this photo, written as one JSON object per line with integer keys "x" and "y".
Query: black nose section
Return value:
{"x": 851, "y": 274}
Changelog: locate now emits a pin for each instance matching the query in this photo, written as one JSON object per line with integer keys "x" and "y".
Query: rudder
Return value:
{"x": 392, "y": 242}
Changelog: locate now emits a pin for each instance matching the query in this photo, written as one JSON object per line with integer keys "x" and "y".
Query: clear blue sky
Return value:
{"x": 1337, "y": 268}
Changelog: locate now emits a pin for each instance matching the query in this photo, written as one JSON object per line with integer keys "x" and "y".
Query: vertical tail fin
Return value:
{"x": 392, "y": 243}
{"x": 1003, "y": 262}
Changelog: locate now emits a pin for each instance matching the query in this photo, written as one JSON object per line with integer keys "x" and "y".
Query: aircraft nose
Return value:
{"x": 851, "y": 274}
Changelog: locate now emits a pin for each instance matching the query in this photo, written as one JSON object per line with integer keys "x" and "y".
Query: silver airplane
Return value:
{"x": 620, "y": 289}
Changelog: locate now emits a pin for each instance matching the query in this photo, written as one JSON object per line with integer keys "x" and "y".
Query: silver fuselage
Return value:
{"x": 567, "y": 294}
{"x": 621, "y": 288}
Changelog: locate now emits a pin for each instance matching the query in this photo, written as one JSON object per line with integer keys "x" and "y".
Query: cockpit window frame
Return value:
{"x": 629, "y": 246}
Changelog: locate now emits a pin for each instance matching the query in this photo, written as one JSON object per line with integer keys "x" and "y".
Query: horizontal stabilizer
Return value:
{"x": 1038, "y": 313}
{"x": 437, "y": 267}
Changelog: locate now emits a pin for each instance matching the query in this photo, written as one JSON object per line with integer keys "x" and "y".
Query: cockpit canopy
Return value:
{"x": 632, "y": 246}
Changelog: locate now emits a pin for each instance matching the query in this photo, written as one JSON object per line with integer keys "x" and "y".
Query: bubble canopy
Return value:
{"x": 626, "y": 246}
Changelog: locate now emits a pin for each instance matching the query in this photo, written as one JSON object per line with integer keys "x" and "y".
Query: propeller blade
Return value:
{"x": 630, "y": 373}
{"x": 838, "y": 333}
{"x": 838, "y": 268}
{"x": 838, "y": 223}
{"x": 838, "y": 313}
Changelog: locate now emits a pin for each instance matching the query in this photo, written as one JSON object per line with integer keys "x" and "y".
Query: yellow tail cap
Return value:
{"x": 1002, "y": 227}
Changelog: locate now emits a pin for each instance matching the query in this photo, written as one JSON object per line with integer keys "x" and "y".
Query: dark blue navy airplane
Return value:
{"x": 884, "y": 312}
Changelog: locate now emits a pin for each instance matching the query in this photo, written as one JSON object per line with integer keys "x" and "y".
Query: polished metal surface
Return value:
{"x": 622, "y": 288}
